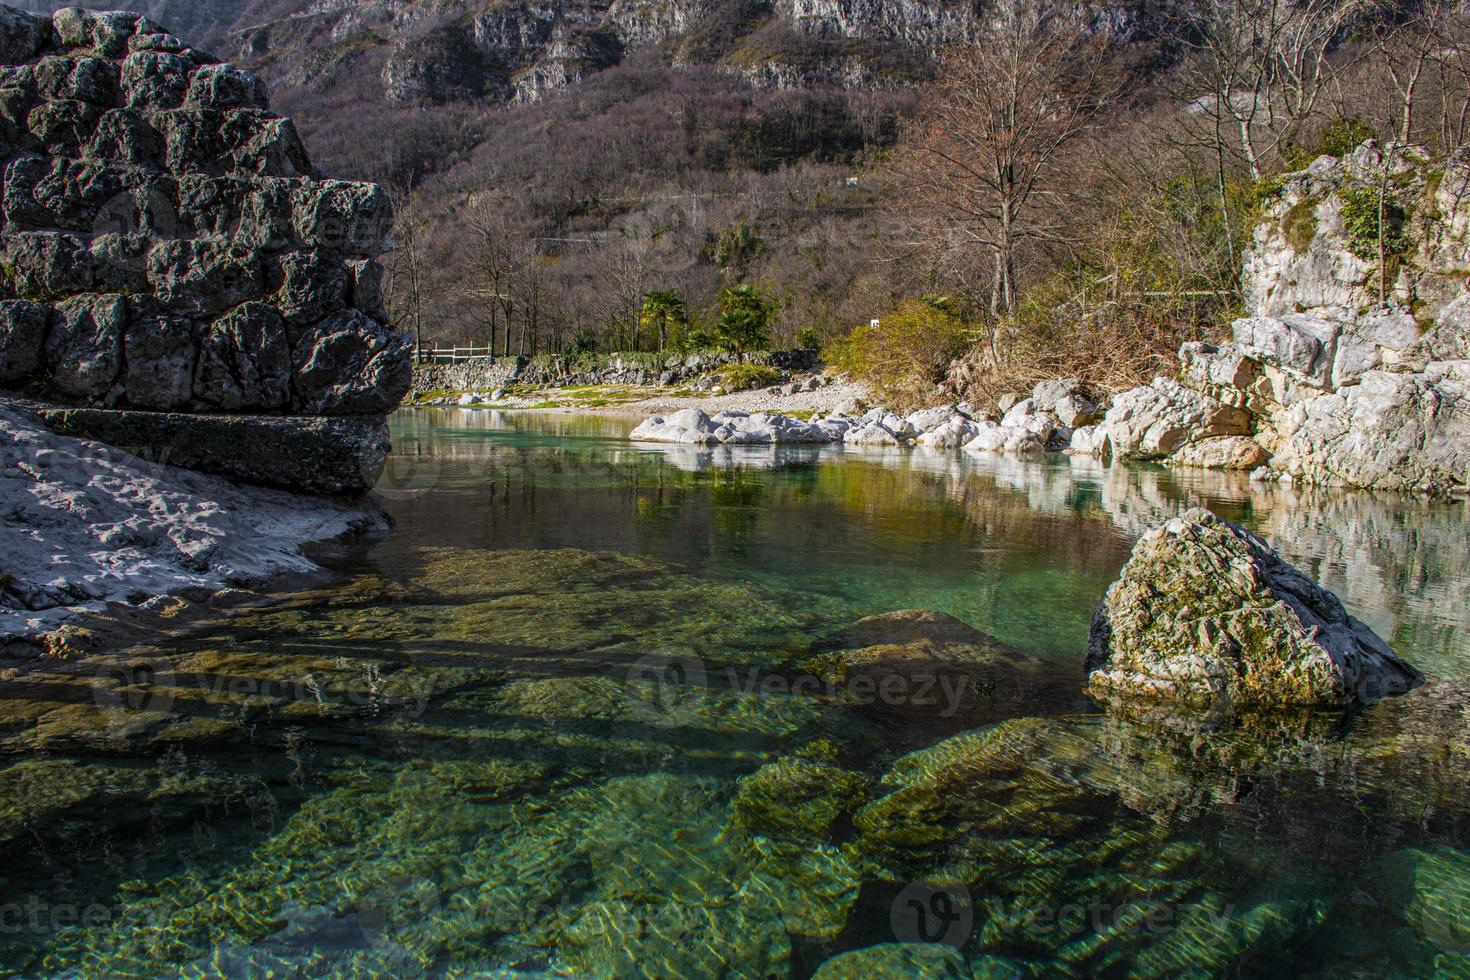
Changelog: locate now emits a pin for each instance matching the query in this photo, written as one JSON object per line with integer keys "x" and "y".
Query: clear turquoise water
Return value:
{"x": 551, "y": 726}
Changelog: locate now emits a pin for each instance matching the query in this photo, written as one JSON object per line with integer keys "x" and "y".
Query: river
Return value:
{"x": 566, "y": 720}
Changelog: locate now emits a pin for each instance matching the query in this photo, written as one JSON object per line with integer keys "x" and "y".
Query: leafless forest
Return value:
{"x": 1041, "y": 199}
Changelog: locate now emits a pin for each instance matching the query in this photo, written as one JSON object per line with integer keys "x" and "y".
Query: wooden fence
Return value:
{"x": 450, "y": 355}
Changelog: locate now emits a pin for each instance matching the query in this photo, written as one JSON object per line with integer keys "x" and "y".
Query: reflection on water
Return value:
{"x": 565, "y": 721}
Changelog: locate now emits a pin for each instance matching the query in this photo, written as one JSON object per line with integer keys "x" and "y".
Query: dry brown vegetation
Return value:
{"x": 1083, "y": 200}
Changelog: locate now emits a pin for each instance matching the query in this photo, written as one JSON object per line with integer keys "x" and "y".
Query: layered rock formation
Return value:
{"x": 168, "y": 249}
{"x": 1354, "y": 367}
{"x": 1206, "y": 615}
{"x": 442, "y": 50}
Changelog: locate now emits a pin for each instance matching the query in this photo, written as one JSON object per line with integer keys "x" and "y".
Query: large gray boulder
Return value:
{"x": 1156, "y": 420}
{"x": 169, "y": 248}
{"x": 1205, "y": 615}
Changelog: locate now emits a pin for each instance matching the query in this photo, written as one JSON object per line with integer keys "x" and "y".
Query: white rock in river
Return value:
{"x": 1223, "y": 453}
{"x": 1205, "y": 614}
{"x": 951, "y": 435}
{"x": 933, "y": 418}
{"x": 692, "y": 426}
{"x": 1013, "y": 440}
{"x": 1153, "y": 421}
{"x": 872, "y": 434}
{"x": 1090, "y": 440}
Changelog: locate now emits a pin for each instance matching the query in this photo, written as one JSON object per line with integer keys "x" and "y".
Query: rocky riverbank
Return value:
{"x": 1349, "y": 371}
{"x": 84, "y": 525}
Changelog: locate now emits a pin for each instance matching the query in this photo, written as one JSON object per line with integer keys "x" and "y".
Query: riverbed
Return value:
{"x": 558, "y": 723}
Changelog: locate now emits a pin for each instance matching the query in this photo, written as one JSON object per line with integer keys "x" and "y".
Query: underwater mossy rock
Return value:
{"x": 169, "y": 248}
{"x": 797, "y": 798}
{"x": 1206, "y": 615}
{"x": 918, "y": 961}
{"x": 931, "y": 669}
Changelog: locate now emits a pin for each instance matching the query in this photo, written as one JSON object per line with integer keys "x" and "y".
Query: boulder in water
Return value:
{"x": 1205, "y": 614}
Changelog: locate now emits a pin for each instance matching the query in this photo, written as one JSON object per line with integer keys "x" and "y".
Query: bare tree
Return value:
{"x": 406, "y": 280}
{"x": 499, "y": 248}
{"x": 981, "y": 160}
{"x": 1261, "y": 69}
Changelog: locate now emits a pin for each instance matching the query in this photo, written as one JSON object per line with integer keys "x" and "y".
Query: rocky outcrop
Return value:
{"x": 1331, "y": 385}
{"x": 1206, "y": 615}
{"x": 168, "y": 249}
{"x": 196, "y": 21}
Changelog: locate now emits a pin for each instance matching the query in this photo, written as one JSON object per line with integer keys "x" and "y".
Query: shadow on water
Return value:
{"x": 564, "y": 720}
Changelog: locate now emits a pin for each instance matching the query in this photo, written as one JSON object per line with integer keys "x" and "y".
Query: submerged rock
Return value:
{"x": 1205, "y": 614}
{"x": 922, "y": 961}
{"x": 933, "y": 673}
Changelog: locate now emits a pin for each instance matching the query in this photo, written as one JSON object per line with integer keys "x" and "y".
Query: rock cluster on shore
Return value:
{"x": 1030, "y": 427}
{"x": 167, "y": 248}
{"x": 1341, "y": 374}
{"x": 1325, "y": 382}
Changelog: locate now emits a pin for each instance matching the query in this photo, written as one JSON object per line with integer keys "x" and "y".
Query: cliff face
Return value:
{"x": 1334, "y": 383}
{"x": 518, "y": 50}
{"x": 170, "y": 256}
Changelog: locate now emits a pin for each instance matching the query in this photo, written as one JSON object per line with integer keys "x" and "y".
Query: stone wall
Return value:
{"x": 167, "y": 247}
{"x": 488, "y": 374}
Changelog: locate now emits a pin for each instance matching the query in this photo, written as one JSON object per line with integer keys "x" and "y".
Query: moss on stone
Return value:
{"x": 1299, "y": 224}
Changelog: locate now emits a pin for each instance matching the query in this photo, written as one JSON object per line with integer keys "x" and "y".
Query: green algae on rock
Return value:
{"x": 929, "y": 670}
{"x": 1206, "y": 615}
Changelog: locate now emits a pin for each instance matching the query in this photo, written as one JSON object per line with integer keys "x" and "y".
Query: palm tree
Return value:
{"x": 745, "y": 316}
{"x": 663, "y": 309}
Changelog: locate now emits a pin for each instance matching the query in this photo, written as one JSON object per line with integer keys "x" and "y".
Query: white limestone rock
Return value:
{"x": 1154, "y": 421}
{"x": 1224, "y": 453}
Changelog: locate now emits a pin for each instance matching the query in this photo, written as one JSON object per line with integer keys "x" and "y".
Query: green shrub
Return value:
{"x": 905, "y": 358}
{"x": 808, "y": 338}
{"x": 1344, "y": 135}
{"x": 1360, "y": 206}
{"x": 744, "y": 377}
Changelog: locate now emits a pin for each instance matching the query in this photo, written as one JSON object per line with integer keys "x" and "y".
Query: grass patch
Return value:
{"x": 1299, "y": 225}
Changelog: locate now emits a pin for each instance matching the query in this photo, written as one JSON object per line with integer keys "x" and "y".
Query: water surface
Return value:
{"x": 568, "y": 720}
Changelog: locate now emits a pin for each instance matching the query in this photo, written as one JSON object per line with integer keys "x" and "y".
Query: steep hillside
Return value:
{"x": 195, "y": 21}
